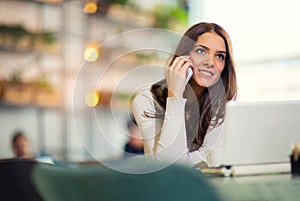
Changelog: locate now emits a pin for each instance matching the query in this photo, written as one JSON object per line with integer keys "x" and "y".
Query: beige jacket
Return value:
{"x": 165, "y": 139}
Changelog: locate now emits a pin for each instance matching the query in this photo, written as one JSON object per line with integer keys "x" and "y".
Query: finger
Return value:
{"x": 186, "y": 65}
{"x": 175, "y": 62}
{"x": 184, "y": 69}
{"x": 187, "y": 59}
{"x": 180, "y": 62}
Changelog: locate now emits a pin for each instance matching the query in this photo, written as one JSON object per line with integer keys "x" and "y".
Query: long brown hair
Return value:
{"x": 209, "y": 110}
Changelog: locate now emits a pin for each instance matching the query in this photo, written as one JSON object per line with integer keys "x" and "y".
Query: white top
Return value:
{"x": 165, "y": 139}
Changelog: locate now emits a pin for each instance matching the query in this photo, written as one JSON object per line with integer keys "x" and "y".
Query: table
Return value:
{"x": 281, "y": 187}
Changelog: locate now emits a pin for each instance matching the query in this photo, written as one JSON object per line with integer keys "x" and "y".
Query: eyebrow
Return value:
{"x": 206, "y": 48}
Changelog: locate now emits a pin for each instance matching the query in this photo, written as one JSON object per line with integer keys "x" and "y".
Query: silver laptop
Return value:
{"x": 258, "y": 136}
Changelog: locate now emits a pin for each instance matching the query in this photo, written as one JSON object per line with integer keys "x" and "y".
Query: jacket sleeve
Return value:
{"x": 211, "y": 151}
{"x": 164, "y": 139}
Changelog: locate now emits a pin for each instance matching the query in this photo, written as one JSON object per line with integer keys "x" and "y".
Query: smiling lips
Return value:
{"x": 205, "y": 73}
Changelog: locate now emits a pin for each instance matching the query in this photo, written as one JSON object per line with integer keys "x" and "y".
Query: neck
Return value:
{"x": 193, "y": 89}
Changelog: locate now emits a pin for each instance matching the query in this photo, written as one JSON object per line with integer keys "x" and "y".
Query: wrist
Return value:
{"x": 172, "y": 95}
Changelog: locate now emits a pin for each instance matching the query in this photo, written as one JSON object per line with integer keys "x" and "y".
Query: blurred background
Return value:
{"x": 68, "y": 68}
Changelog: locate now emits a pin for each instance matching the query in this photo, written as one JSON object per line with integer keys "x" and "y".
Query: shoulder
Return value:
{"x": 144, "y": 92}
{"x": 143, "y": 97}
{"x": 143, "y": 101}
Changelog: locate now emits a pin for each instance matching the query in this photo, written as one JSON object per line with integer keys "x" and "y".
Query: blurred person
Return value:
{"x": 135, "y": 144}
{"x": 21, "y": 146}
{"x": 181, "y": 119}
{"x": 22, "y": 149}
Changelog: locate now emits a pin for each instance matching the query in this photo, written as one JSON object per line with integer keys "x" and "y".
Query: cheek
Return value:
{"x": 220, "y": 67}
{"x": 196, "y": 59}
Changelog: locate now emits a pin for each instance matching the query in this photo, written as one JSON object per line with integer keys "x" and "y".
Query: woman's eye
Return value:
{"x": 201, "y": 51}
{"x": 221, "y": 56}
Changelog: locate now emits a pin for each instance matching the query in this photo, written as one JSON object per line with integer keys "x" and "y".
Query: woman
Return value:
{"x": 180, "y": 120}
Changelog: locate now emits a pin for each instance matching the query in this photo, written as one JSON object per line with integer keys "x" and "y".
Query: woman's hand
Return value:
{"x": 176, "y": 75}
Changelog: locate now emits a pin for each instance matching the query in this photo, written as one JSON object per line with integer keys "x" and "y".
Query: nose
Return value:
{"x": 208, "y": 61}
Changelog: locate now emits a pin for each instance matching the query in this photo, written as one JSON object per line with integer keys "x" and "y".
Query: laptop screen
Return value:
{"x": 260, "y": 132}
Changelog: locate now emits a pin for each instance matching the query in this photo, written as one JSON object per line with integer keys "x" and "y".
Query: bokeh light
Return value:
{"x": 91, "y": 53}
{"x": 92, "y": 99}
{"x": 90, "y": 7}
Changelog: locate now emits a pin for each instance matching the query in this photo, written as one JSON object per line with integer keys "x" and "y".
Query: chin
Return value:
{"x": 205, "y": 84}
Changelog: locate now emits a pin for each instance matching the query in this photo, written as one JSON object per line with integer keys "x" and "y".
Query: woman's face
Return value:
{"x": 208, "y": 56}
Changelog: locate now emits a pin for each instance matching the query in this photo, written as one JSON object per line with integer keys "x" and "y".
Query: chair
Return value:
{"x": 92, "y": 183}
{"x": 15, "y": 180}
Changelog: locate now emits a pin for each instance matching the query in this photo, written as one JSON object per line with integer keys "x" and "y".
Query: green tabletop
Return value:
{"x": 281, "y": 187}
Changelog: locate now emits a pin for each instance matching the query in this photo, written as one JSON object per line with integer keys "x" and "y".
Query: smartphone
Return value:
{"x": 189, "y": 74}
